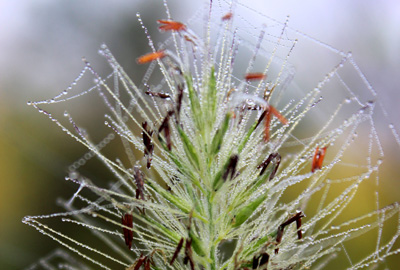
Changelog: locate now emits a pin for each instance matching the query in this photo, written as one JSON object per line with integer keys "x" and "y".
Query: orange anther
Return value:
{"x": 267, "y": 123}
{"x": 150, "y": 57}
{"x": 255, "y": 76}
{"x": 267, "y": 120}
{"x": 227, "y": 16}
{"x": 318, "y": 159}
{"x": 168, "y": 25}
{"x": 278, "y": 115}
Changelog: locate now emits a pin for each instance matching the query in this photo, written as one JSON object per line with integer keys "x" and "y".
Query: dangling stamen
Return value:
{"x": 127, "y": 220}
{"x": 159, "y": 95}
{"x": 231, "y": 169}
{"x": 151, "y": 57}
{"x": 267, "y": 124}
{"x": 139, "y": 183}
{"x": 266, "y": 162}
{"x": 140, "y": 261}
{"x": 260, "y": 260}
{"x": 168, "y": 25}
{"x": 189, "y": 253}
{"x": 179, "y": 100}
{"x": 165, "y": 126}
{"x": 281, "y": 228}
{"x": 178, "y": 248}
{"x": 271, "y": 110}
{"x": 227, "y": 16}
{"x": 278, "y": 115}
{"x": 254, "y": 76}
{"x": 318, "y": 159}
{"x": 149, "y": 147}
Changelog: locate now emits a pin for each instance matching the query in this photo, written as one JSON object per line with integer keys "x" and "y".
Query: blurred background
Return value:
{"x": 42, "y": 42}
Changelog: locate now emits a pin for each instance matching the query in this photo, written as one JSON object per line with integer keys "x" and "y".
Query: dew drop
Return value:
{"x": 73, "y": 175}
{"x": 347, "y": 100}
{"x": 64, "y": 92}
{"x": 66, "y": 114}
{"x": 29, "y": 103}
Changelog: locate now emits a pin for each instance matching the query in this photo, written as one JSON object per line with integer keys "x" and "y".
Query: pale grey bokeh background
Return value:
{"x": 41, "y": 43}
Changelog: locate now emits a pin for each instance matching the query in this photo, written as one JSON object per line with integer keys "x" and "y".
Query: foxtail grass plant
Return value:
{"x": 229, "y": 164}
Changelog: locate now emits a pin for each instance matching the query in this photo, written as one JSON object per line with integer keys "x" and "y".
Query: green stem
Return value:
{"x": 212, "y": 232}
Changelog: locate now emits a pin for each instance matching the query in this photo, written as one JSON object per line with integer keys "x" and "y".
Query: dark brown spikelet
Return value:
{"x": 292, "y": 219}
{"x": 165, "y": 127}
{"x": 159, "y": 95}
{"x": 264, "y": 165}
{"x": 189, "y": 253}
{"x": 139, "y": 184}
{"x": 139, "y": 262}
{"x": 277, "y": 162}
{"x": 264, "y": 258}
{"x": 127, "y": 220}
{"x": 298, "y": 226}
{"x": 279, "y": 237}
{"x": 179, "y": 100}
{"x": 262, "y": 116}
{"x": 147, "y": 264}
{"x": 177, "y": 250}
{"x": 260, "y": 260}
{"x": 231, "y": 169}
{"x": 296, "y": 217}
{"x": 148, "y": 145}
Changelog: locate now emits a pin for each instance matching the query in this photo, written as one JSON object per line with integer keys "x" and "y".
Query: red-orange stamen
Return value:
{"x": 267, "y": 123}
{"x": 254, "y": 76}
{"x": 267, "y": 120}
{"x": 168, "y": 25}
{"x": 227, "y": 16}
{"x": 278, "y": 115}
{"x": 318, "y": 159}
{"x": 150, "y": 57}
